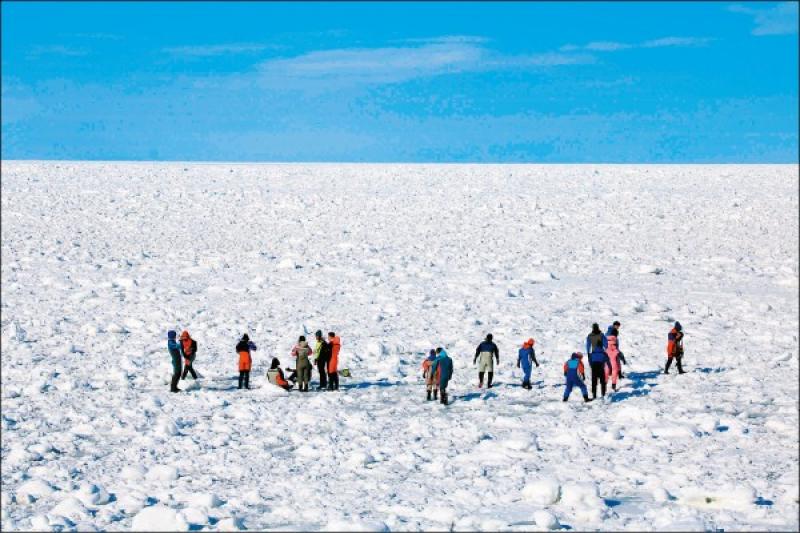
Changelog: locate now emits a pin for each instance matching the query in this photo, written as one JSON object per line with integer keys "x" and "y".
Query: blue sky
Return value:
{"x": 407, "y": 82}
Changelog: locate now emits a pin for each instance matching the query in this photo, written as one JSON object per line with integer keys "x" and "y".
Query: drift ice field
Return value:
{"x": 99, "y": 260}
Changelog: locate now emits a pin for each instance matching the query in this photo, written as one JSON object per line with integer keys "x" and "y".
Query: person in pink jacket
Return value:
{"x": 614, "y": 355}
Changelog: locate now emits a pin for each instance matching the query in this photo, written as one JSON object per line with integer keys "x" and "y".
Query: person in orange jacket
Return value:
{"x": 333, "y": 363}
{"x": 431, "y": 379}
{"x": 675, "y": 348}
{"x": 243, "y": 348}
{"x": 189, "y": 346}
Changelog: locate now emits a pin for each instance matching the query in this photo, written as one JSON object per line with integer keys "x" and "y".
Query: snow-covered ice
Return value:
{"x": 99, "y": 260}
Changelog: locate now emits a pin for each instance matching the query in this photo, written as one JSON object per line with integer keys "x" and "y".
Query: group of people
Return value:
{"x": 603, "y": 352}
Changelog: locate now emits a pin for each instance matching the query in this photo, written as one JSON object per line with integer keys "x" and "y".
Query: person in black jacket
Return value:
{"x": 322, "y": 352}
{"x": 486, "y": 351}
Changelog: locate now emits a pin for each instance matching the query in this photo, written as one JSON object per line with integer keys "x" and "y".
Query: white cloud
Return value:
{"x": 613, "y": 46}
{"x": 211, "y": 50}
{"x": 446, "y": 39}
{"x": 57, "y": 50}
{"x": 394, "y": 64}
{"x": 778, "y": 20}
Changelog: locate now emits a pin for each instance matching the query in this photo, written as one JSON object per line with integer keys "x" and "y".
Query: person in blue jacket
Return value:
{"x": 525, "y": 360}
{"x": 596, "y": 345}
{"x": 176, "y": 351}
{"x": 444, "y": 364}
{"x": 573, "y": 371}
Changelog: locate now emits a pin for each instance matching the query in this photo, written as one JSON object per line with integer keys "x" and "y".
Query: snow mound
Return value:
{"x": 546, "y": 520}
{"x": 728, "y": 497}
{"x": 542, "y": 492}
{"x": 159, "y": 518}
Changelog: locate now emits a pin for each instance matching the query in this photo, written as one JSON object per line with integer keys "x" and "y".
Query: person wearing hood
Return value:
{"x": 333, "y": 363}
{"x": 243, "y": 348}
{"x": 614, "y": 356}
{"x": 575, "y": 374}
{"x": 616, "y": 325}
{"x": 431, "y": 379}
{"x": 321, "y": 354}
{"x": 443, "y": 366}
{"x": 485, "y": 351}
{"x": 675, "y": 348}
{"x": 176, "y": 352}
{"x": 596, "y": 345}
{"x": 275, "y": 375}
{"x": 301, "y": 351}
{"x": 189, "y": 346}
{"x": 525, "y": 360}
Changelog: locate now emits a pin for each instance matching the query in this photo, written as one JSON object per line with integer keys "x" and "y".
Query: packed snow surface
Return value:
{"x": 100, "y": 260}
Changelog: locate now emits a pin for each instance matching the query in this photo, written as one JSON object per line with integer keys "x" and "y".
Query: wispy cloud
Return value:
{"x": 613, "y": 46}
{"x": 778, "y": 20}
{"x": 445, "y": 39}
{"x": 400, "y": 63}
{"x": 57, "y": 50}
{"x": 211, "y": 50}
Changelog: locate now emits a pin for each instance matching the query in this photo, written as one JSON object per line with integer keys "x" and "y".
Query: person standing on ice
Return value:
{"x": 616, "y": 325}
{"x": 189, "y": 346}
{"x": 333, "y": 363}
{"x": 596, "y": 344}
{"x": 301, "y": 351}
{"x": 321, "y": 352}
{"x": 485, "y": 352}
{"x": 675, "y": 348}
{"x": 176, "y": 353}
{"x": 574, "y": 372}
{"x": 243, "y": 348}
{"x": 443, "y": 366}
{"x": 614, "y": 356}
{"x": 431, "y": 379}
{"x": 525, "y": 360}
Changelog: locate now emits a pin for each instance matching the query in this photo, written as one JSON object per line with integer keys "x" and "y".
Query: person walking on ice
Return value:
{"x": 442, "y": 365}
{"x": 596, "y": 344}
{"x": 575, "y": 374}
{"x": 431, "y": 379}
{"x": 189, "y": 346}
{"x": 525, "y": 360}
{"x": 243, "y": 348}
{"x": 301, "y": 351}
{"x": 675, "y": 348}
{"x": 614, "y": 356}
{"x": 175, "y": 352}
{"x": 485, "y": 352}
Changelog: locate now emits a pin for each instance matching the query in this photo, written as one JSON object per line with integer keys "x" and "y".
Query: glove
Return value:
{"x": 537, "y": 365}
{"x": 474, "y": 361}
{"x": 517, "y": 364}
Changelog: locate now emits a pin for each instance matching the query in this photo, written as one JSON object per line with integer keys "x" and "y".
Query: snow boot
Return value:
{"x": 444, "y": 398}
{"x": 480, "y": 380}
{"x": 429, "y": 395}
{"x": 435, "y": 394}
{"x": 489, "y": 380}
{"x": 586, "y": 399}
{"x": 564, "y": 399}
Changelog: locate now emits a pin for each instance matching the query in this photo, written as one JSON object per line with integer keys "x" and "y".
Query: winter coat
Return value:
{"x": 189, "y": 346}
{"x": 596, "y": 344}
{"x": 321, "y": 352}
{"x": 301, "y": 351}
{"x": 275, "y": 376}
{"x": 333, "y": 362}
{"x": 243, "y": 348}
{"x": 444, "y": 366}
{"x": 674, "y": 343}
{"x": 430, "y": 377}
{"x": 527, "y": 357}
{"x": 176, "y": 353}
{"x": 488, "y": 347}
{"x": 573, "y": 369}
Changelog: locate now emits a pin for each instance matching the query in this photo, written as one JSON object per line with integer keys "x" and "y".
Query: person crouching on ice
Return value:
{"x": 526, "y": 359}
{"x": 431, "y": 379}
{"x": 275, "y": 375}
{"x": 574, "y": 372}
{"x": 243, "y": 348}
{"x": 444, "y": 366}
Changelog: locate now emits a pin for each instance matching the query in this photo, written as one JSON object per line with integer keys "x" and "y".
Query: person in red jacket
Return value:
{"x": 675, "y": 348}
{"x": 333, "y": 363}
{"x": 189, "y": 346}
